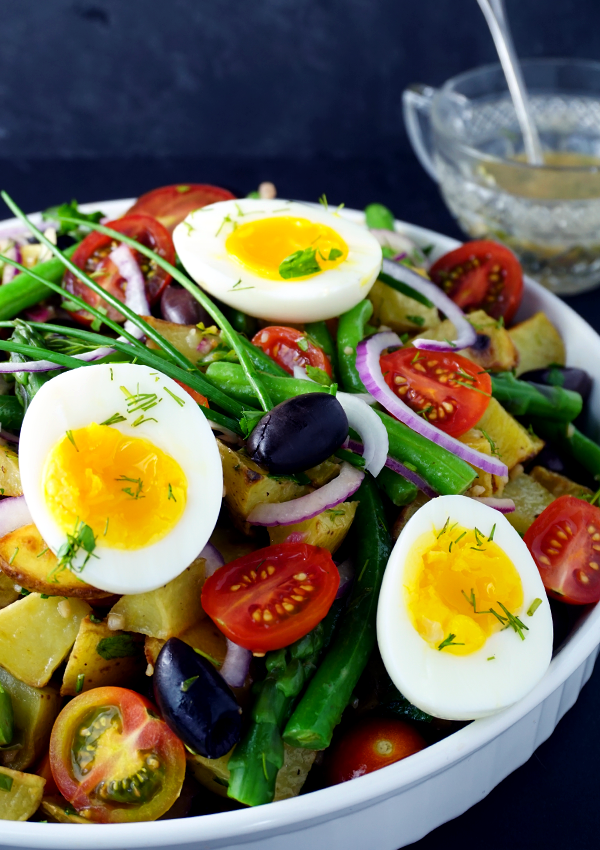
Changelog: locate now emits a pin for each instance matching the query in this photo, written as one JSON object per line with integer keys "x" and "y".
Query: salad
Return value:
{"x": 283, "y": 502}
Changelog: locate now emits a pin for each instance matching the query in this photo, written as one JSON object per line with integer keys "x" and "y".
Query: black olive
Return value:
{"x": 195, "y": 700}
{"x": 181, "y": 308}
{"x": 567, "y": 377}
{"x": 482, "y": 343}
{"x": 299, "y": 433}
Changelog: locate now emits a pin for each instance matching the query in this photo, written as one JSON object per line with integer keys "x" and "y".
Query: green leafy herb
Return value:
{"x": 334, "y": 253}
{"x": 185, "y": 686}
{"x": 253, "y": 194}
{"x": 6, "y": 782}
{"x": 302, "y": 343}
{"x": 97, "y": 322}
{"x": 69, "y": 810}
{"x": 318, "y": 375}
{"x": 118, "y": 646}
{"x": 129, "y": 491}
{"x": 81, "y": 538}
{"x": 419, "y": 321}
{"x": 70, "y": 211}
{"x": 71, "y": 439}
{"x": 533, "y": 607}
{"x": 299, "y": 264}
{"x": 449, "y": 641}
{"x": 249, "y": 421}
{"x": 427, "y": 250}
{"x": 95, "y": 619}
{"x": 378, "y": 217}
{"x": 333, "y": 512}
{"x": 80, "y": 683}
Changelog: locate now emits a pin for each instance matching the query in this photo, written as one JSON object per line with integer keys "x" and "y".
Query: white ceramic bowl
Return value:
{"x": 400, "y": 804}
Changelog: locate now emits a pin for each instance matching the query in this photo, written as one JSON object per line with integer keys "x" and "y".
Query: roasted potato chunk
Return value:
{"x": 164, "y": 612}
{"x": 26, "y": 559}
{"x": 530, "y": 500}
{"x": 407, "y": 512}
{"x": 185, "y": 338}
{"x": 494, "y": 349}
{"x": 327, "y": 529}
{"x": 10, "y": 477}
{"x": 97, "y": 670}
{"x": 558, "y": 485}
{"x": 485, "y": 484}
{"x": 58, "y": 810}
{"x": 247, "y": 485}
{"x": 37, "y": 634}
{"x": 8, "y": 593}
{"x": 21, "y": 794}
{"x": 538, "y": 342}
{"x": 399, "y": 312}
{"x": 35, "y": 710}
{"x": 510, "y": 441}
{"x": 203, "y": 635}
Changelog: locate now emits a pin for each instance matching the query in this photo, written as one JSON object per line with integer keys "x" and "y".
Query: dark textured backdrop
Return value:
{"x": 238, "y": 78}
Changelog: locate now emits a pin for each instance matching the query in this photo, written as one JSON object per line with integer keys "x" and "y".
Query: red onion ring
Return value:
{"x": 10, "y": 272}
{"x": 398, "y": 467}
{"x": 135, "y": 291}
{"x": 346, "y": 571}
{"x": 367, "y": 363}
{"x": 14, "y": 514}
{"x": 6, "y": 435}
{"x": 309, "y": 506}
{"x": 236, "y": 665}
{"x": 466, "y": 335}
{"x": 505, "y": 506}
{"x": 371, "y": 430}
{"x": 213, "y": 559}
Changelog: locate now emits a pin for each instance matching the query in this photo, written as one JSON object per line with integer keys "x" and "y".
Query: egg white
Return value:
{"x": 463, "y": 687}
{"x": 79, "y": 397}
{"x": 200, "y": 244}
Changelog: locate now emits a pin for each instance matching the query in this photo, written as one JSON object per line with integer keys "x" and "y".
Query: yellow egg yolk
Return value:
{"x": 264, "y": 244}
{"x": 127, "y": 490}
{"x": 455, "y": 579}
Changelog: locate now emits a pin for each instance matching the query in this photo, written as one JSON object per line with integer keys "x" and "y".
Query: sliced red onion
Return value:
{"x": 505, "y": 506}
{"x": 213, "y": 559}
{"x": 10, "y": 272}
{"x": 6, "y": 435}
{"x": 399, "y": 257}
{"x": 8, "y": 367}
{"x": 346, "y": 571}
{"x": 398, "y": 242}
{"x": 398, "y": 467}
{"x": 236, "y": 665}
{"x": 367, "y": 364}
{"x": 135, "y": 291}
{"x": 295, "y": 537}
{"x": 42, "y": 313}
{"x": 307, "y": 507}
{"x": 14, "y": 514}
{"x": 370, "y": 428}
{"x": 225, "y": 434}
{"x": 466, "y": 335}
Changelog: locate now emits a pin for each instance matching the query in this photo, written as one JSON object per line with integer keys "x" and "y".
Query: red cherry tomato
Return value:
{"x": 198, "y": 397}
{"x": 171, "y": 204}
{"x": 272, "y": 597}
{"x": 92, "y": 255}
{"x": 449, "y": 390}
{"x": 481, "y": 275}
{"x": 565, "y": 543}
{"x": 114, "y": 759}
{"x": 290, "y": 348}
{"x": 373, "y": 743}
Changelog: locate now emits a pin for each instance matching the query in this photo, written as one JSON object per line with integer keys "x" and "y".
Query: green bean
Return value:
{"x": 230, "y": 379}
{"x": 446, "y": 473}
{"x": 320, "y": 709}
{"x": 351, "y": 330}
{"x": 320, "y": 333}
{"x": 28, "y": 383}
{"x": 28, "y": 289}
{"x": 523, "y": 398}
{"x": 7, "y": 729}
{"x": 404, "y": 289}
{"x": 568, "y": 438}
{"x": 262, "y": 361}
{"x": 398, "y": 490}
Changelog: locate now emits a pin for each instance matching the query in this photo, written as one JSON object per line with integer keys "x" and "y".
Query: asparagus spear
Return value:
{"x": 28, "y": 383}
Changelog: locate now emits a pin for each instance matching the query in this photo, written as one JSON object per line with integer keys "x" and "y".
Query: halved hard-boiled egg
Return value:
{"x": 279, "y": 260}
{"x": 463, "y": 622}
{"x": 121, "y": 474}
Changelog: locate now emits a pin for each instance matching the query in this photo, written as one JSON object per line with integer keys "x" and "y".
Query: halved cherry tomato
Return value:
{"x": 171, "y": 204}
{"x": 373, "y": 743}
{"x": 290, "y": 347}
{"x": 272, "y": 597}
{"x": 114, "y": 759}
{"x": 481, "y": 275}
{"x": 198, "y": 397}
{"x": 44, "y": 770}
{"x": 92, "y": 256}
{"x": 565, "y": 543}
{"x": 447, "y": 389}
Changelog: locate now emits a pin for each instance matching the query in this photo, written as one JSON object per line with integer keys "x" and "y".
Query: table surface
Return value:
{"x": 552, "y": 800}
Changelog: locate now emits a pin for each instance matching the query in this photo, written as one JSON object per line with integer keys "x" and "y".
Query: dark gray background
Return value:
{"x": 237, "y": 78}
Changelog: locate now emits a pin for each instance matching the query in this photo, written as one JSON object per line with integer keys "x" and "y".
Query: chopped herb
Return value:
{"x": 427, "y": 250}
{"x": 6, "y": 782}
{"x": 128, "y": 490}
{"x": 514, "y": 622}
{"x": 141, "y": 419}
{"x": 97, "y": 322}
{"x": 333, "y": 512}
{"x": 264, "y": 764}
{"x": 171, "y": 496}
{"x": 365, "y": 565}
{"x": 419, "y": 321}
{"x": 493, "y": 447}
{"x": 318, "y": 375}
{"x": 449, "y": 641}
{"x": 118, "y": 646}
{"x": 24, "y": 592}
{"x": 334, "y": 253}
{"x": 491, "y": 537}
{"x": 111, "y": 374}
{"x": 492, "y": 658}
{"x": 71, "y": 439}
{"x": 182, "y": 189}
{"x": 302, "y": 343}
{"x": 179, "y": 401}
{"x": 208, "y": 657}
{"x": 417, "y": 356}
{"x": 80, "y": 683}
{"x": 476, "y": 549}
{"x": 478, "y": 535}
{"x": 249, "y": 421}
{"x": 116, "y": 417}
{"x": 43, "y": 552}
{"x": 443, "y": 529}
{"x": 95, "y": 619}
{"x": 185, "y": 686}
{"x": 106, "y": 527}
{"x": 500, "y": 322}
{"x": 475, "y": 389}
{"x": 323, "y": 201}
{"x": 14, "y": 555}
{"x": 533, "y": 607}
{"x": 44, "y": 596}
{"x": 226, "y": 220}
{"x": 460, "y": 537}
{"x": 81, "y": 538}
{"x": 450, "y": 343}
{"x": 67, "y": 211}
{"x": 299, "y": 264}
{"x": 190, "y": 229}
{"x": 69, "y": 810}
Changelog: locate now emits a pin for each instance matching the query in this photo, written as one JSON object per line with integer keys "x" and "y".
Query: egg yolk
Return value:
{"x": 456, "y": 579}
{"x": 127, "y": 490}
{"x": 262, "y": 246}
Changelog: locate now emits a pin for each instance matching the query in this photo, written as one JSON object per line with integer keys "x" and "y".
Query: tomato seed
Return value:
{"x": 591, "y": 529}
{"x": 288, "y": 607}
{"x": 257, "y": 616}
{"x": 267, "y": 616}
{"x": 300, "y": 576}
{"x": 582, "y": 577}
{"x": 545, "y": 560}
{"x": 552, "y": 551}
{"x": 270, "y": 569}
{"x": 593, "y": 565}
{"x": 235, "y": 587}
{"x": 307, "y": 587}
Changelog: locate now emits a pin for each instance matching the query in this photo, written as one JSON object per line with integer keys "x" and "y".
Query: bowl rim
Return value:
{"x": 251, "y": 824}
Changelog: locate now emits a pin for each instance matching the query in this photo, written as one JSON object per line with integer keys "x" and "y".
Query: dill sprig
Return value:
{"x": 449, "y": 641}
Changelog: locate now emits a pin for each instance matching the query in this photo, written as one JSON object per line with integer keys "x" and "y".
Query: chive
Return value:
{"x": 207, "y": 656}
{"x": 179, "y": 401}
{"x": 449, "y": 641}
{"x": 71, "y": 439}
{"x": 185, "y": 686}
{"x": 533, "y": 607}
{"x": 491, "y": 537}
{"x": 80, "y": 683}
